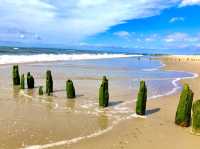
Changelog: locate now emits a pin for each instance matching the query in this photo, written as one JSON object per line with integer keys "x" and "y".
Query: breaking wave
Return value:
{"x": 11, "y": 59}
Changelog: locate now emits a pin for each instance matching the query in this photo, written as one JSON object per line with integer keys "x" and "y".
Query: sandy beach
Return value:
{"x": 32, "y": 122}
{"x": 158, "y": 129}
{"x": 99, "y": 74}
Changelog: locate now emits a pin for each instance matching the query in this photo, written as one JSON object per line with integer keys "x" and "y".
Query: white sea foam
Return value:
{"x": 150, "y": 69}
{"x": 172, "y": 91}
{"x": 175, "y": 84}
{"x": 10, "y": 59}
{"x": 64, "y": 142}
{"x": 154, "y": 69}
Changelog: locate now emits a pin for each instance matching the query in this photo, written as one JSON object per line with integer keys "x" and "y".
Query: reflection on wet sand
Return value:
{"x": 16, "y": 90}
{"x": 70, "y": 104}
{"x": 30, "y": 92}
{"x": 103, "y": 120}
{"x": 50, "y": 106}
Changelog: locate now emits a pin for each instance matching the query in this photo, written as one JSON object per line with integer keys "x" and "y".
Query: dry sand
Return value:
{"x": 158, "y": 129}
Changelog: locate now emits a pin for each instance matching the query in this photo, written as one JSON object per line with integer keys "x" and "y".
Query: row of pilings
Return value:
{"x": 70, "y": 89}
{"x": 183, "y": 112}
{"x": 17, "y": 80}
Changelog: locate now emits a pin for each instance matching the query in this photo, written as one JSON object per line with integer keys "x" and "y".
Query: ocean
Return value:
{"x": 132, "y": 64}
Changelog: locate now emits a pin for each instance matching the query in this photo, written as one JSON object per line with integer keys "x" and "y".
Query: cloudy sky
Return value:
{"x": 123, "y": 23}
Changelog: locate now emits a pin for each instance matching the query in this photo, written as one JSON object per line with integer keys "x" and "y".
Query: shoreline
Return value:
{"x": 170, "y": 142}
{"x": 116, "y": 123}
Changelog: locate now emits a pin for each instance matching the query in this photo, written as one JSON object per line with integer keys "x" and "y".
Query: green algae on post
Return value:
{"x": 141, "y": 99}
{"x": 104, "y": 93}
{"x": 22, "y": 83}
{"x": 30, "y": 81}
{"x": 49, "y": 83}
{"x": 196, "y": 117}
{"x": 70, "y": 89}
{"x": 40, "y": 91}
{"x": 16, "y": 76}
{"x": 183, "y": 113}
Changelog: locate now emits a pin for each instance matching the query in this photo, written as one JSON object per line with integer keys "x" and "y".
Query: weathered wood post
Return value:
{"x": 30, "y": 81}
{"x": 104, "y": 93}
{"x": 40, "y": 91}
{"x": 70, "y": 89}
{"x": 16, "y": 76}
{"x": 141, "y": 99}
{"x": 49, "y": 83}
{"x": 22, "y": 83}
{"x": 196, "y": 117}
{"x": 183, "y": 113}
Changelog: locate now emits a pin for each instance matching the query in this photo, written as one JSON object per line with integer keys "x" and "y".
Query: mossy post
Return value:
{"x": 183, "y": 113}
{"x": 70, "y": 89}
{"x": 104, "y": 93}
{"x": 30, "y": 81}
{"x": 49, "y": 83}
{"x": 22, "y": 83}
{"x": 141, "y": 99}
{"x": 40, "y": 91}
{"x": 16, "y": 76}
{"x": 196, "y": 117}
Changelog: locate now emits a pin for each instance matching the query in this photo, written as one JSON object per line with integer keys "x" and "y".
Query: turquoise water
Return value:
{"x": 93, "y": 49}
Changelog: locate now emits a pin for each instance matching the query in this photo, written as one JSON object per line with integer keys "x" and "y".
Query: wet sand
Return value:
{"x": 27, "y": 119}
{"x": 31, "y": 120}
{"x": 158, "y": 129}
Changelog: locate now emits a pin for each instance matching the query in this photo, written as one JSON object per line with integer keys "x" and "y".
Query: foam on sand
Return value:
{"x": 74, "y": 140}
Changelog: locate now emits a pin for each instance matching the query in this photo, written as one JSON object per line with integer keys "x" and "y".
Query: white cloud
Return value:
{"x": 174, "y": 37}
{"x": 22, "y": 36}
{"x": 152, "y": 38}
{"x": 132, "y": 36}
{"x": 180, "y": 37}
{"x": 69, "y": 21}
{"x": 123, "y": 34}
{"x": 176, "y": 19}
{"x": 189, "y": 2}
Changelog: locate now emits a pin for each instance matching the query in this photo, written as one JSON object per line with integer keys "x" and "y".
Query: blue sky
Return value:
{"x": 122, "y": 23}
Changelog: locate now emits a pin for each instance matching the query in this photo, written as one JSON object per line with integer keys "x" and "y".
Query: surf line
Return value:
{"x": 68, "y": 142}
{"x": 11, "y": 59}
{"x": 174, "y": 89}
{"x": 74, "y": 140}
